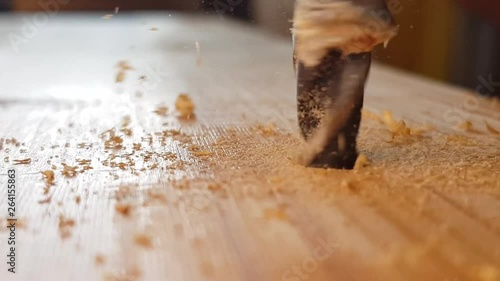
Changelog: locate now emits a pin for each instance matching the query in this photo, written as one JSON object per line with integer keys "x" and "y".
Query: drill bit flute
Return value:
{"x": 333, "y": 41}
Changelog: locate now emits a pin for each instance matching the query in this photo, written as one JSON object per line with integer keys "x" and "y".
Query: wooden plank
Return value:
{"x": 222, "y": 199}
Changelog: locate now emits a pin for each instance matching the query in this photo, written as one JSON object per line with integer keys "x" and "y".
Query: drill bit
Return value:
{"x": 333, "y": 41}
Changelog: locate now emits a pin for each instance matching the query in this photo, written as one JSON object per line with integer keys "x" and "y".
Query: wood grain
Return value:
{"x": 426, "y": 208}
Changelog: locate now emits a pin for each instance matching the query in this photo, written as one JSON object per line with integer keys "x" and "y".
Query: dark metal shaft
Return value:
{"x": 333, "y": 41}
{"x": 322, "y": 90}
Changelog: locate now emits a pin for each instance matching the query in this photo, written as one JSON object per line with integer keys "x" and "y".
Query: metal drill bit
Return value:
{"x": 333, "y": 56}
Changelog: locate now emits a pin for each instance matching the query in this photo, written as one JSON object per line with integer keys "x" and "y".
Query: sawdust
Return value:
{"x": 266, "y": 129}
{"x": 203, "y": 153}
{"x": 459, "y": 139}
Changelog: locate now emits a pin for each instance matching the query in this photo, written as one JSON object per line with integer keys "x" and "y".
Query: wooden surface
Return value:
{"x": 223, "y": 200}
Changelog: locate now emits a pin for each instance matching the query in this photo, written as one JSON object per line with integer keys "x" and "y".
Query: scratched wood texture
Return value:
{"x": 426, "y": 208}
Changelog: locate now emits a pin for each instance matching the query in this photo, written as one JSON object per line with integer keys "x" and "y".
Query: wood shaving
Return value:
{"x": 361, "y": 161}
{"x": 84, "y": 145}
{"x": 69, "y": 171}
{"x": 99, "y": 260}
{"x": 12, "y": 141}
{"x": 126, "y": 131}
{"x": 123, "y": 209}
{"x": 161, "y": 111}
{"x": 185, "y": 106}
{"x": 126, "y": 121}
{"x": 214, "y": 187}
{"x": 65, "y": 226}
{"x": 490, "y": 129}
{"x": 120, "y": 76}
{"x": 107, "y": 17}
{"x": 123, "y": 66}
{"x": 83, "y": 162}
{"x": 153, "y": 29}
{"x": 26, "y": 161}
{"x": 467, "y": 126}
{"x": 46, "y": 200}
{"x": 48, "y": 177}
{"x": 397, "y": 128}
{"x": 113, "y": 142}
{"x": 143, "y": 240}
{"x": 272, "y": 213}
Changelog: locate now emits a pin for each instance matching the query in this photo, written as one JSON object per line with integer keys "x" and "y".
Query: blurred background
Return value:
{"x": 455, "y": 41}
